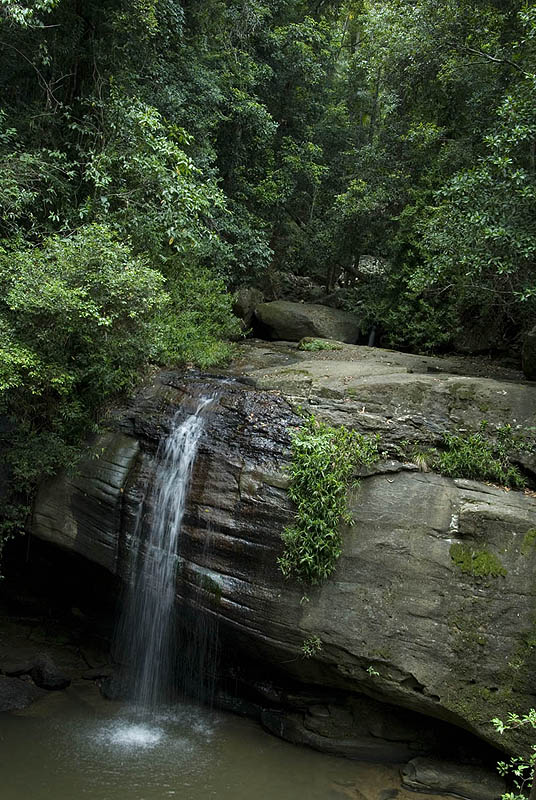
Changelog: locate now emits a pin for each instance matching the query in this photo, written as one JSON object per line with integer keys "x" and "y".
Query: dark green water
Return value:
{"x": 75, "y": 745}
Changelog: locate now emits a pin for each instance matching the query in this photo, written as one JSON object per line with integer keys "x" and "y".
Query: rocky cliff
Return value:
{"x": 402, "y": 622}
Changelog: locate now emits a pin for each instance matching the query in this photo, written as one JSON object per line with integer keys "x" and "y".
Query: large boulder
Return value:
{"x": 245, "y": 301}
{"x": 528, "y": 356}
{"x": 404, "y": 619}
{"x": 293, "y": 321}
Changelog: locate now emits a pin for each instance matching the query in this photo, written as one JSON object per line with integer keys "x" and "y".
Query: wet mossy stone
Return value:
{"x": 478, "y": 563}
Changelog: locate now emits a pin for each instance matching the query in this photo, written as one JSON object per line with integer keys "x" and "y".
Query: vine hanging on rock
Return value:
{"x": 324, "y": 459}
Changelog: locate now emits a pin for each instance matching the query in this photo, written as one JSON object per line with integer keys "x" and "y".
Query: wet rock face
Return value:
{"x": 42, "y": 670}
{"x": 404, "y": 619}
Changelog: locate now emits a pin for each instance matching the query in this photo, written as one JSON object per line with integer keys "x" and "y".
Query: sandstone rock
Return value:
{"x": 90, "y": 500}
{"x": 466, "y": 781}
{"x": 440, "y": 641}
{"x": 294, "y": 321}
{"x": 245, "y": 301}
{"x": 96, "y": 673}
{"x": 16, "y": 694}
{"x": 528, "y": 356}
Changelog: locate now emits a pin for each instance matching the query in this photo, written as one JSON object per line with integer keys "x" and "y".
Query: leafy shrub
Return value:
{"x": 76, "y": 322}
{"x": 521, "y": 769}
{"x": 323, "y": 460}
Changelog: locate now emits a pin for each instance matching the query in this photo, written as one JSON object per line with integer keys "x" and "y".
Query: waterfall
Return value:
{"x": 146, "y": 637}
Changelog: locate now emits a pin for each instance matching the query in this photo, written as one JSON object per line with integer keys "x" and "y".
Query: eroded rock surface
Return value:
{"x": 465, "y": 781}
{"x": 400, "y": 621}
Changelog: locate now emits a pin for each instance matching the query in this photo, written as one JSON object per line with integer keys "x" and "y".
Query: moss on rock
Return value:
{"x": 478, "y": 563}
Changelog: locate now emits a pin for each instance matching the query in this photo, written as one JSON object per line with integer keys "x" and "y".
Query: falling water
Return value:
{"x": 146, "y": 637}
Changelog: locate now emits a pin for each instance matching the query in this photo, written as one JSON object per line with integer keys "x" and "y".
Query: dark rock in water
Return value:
{"x": 528, "y": 355}
{"x": 47, "y": 675}
{"x": 43, "y": 671}
{"x": 113, "y": 687}
{"x": 294, "y": 321}
{"x": 245, "y": 301}
{"x": 461, "y": 780}
{"x": 16, "y": 694}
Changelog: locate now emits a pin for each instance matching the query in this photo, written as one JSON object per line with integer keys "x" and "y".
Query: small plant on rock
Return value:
{"x": 311, "y": 646}
{"x": 480, "y": 457}
{"x": 520, "y": 768}
{"x": 314, "y": 345}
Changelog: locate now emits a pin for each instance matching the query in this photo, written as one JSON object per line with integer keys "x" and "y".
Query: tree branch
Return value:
{"x": 496, "y": 60}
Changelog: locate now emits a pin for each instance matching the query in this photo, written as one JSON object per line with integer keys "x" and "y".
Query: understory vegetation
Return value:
{"x": 324, "y": 459}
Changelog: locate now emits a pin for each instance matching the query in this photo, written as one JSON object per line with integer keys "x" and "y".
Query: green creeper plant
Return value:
{"x": 324, "y": 459}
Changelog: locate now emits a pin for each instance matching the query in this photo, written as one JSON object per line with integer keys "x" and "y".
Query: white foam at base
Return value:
{"x": 136, "y": 736}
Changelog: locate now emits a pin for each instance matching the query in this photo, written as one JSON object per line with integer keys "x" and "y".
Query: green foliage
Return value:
{"x": 519, "y": 768}
{"x": 197, "y": 322}
{"x": 314, "y": 345}
{"x": 25, "y": 15}
{"x": 478, "y": 563}
{"x": 143, "y": 183}
{"x": 77, "y": 317}
{"x": 479, "y": 457}
{"x": 311, "y": 646}
{"x": 481, "y": 236}
{"x": 323, "y": 461}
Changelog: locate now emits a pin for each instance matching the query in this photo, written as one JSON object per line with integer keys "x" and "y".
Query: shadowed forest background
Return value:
{"x": 155, "y": 156}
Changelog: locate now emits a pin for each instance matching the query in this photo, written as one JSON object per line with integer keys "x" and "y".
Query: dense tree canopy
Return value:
{"x": 155, "y": 154}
